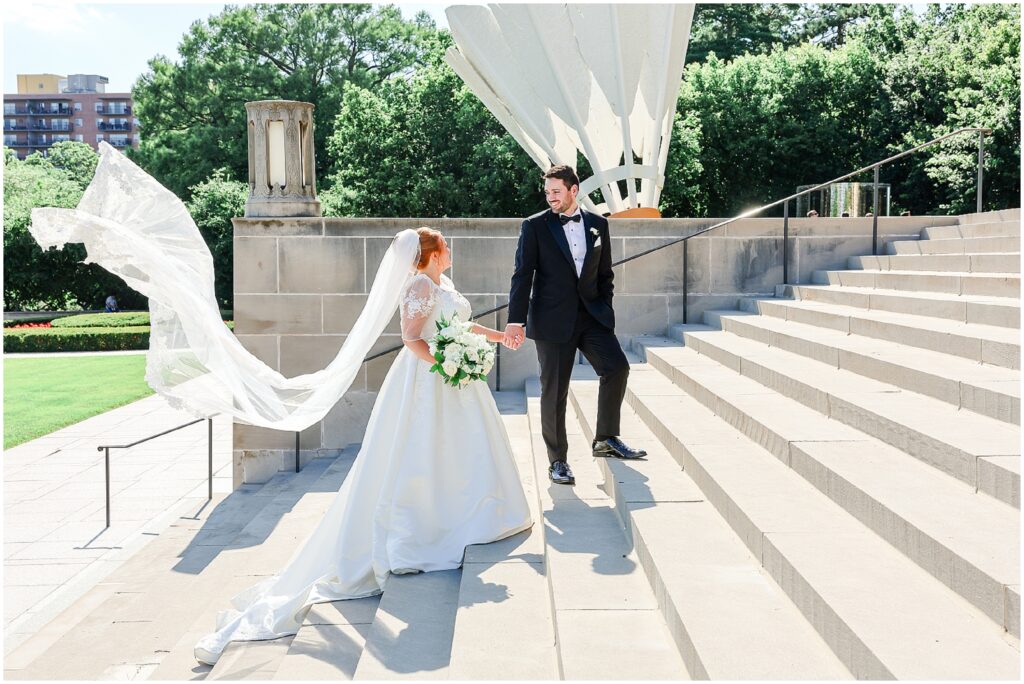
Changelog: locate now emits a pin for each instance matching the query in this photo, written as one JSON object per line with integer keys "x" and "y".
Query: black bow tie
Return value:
{"x": 566, "y": 219}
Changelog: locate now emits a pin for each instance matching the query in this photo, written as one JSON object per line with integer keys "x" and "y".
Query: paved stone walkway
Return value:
{"x": 55, "y": 543}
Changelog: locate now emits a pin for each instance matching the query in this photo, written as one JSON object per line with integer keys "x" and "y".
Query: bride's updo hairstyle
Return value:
{"x": 430, "y": 242}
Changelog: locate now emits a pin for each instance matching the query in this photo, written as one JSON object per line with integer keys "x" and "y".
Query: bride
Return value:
{"x": 435, "y": 472}
{"x": 416, "y": 495}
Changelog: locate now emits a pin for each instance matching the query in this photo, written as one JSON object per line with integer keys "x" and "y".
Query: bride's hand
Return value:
{"x": 513, "y": 336}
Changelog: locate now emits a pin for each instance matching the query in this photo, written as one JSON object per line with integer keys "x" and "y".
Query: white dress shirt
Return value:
{"x": 576, "y": 236}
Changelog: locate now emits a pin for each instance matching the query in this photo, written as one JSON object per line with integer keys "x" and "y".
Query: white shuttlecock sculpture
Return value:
{"x": 599, "y": 79}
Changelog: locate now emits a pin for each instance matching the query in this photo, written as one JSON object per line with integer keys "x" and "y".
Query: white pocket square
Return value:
{"x": 597, "y": 242}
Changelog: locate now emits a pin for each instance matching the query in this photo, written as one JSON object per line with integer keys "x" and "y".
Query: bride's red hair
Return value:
{"x": 430, "y": 242}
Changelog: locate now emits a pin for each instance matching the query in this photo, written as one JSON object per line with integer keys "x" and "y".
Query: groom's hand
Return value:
{"x": 514, "y": 336}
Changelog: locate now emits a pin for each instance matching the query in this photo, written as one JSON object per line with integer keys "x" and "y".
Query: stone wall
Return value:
{"x": 300, "y": 283}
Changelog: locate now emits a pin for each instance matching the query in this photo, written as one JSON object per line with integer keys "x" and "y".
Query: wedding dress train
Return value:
{"x": 435, "y": 473}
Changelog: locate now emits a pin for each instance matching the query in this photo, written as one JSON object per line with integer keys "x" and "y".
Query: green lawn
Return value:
{"x": 45, "y": 394}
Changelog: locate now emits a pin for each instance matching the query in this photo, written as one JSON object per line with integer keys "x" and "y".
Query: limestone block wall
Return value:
{"x": 300, "y": 283}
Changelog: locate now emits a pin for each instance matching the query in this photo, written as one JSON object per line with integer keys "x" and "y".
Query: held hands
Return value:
{"x": 514, "y": 336}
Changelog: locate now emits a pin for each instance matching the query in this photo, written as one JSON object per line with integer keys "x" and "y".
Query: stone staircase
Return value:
{"x": 838, "y": 469}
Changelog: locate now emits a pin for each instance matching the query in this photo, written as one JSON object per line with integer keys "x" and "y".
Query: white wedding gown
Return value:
{"x": 435, "y": 473}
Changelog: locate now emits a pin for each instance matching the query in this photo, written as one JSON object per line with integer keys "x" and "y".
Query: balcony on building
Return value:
{"x": 108, "y": 126}
{"x": 113, "y": 109}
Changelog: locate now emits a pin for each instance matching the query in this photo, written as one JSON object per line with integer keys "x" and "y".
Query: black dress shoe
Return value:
{"x": 613, "y": 446}
{"x": 560, "y": 473}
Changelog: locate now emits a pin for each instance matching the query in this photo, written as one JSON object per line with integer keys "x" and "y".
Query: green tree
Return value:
{"x": 828, "y": 24}
{"x": 77, "y": 159}
{"x": 213, "y": 204}
{"x": 426, "y": 146}
{"x": 192, "y": 111}
{"x": 734, "y": 29}
{"x": 56, "y": 278}
{"x": 763, "y": 124}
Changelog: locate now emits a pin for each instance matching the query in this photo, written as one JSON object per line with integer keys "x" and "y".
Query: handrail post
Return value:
{"x": 209, "y": 462}
{"x": 785, "y": 243}
{"x": 981, "y": 164}
{"x": 686, "y": 243}
{"x": 106, "y": 460}
{"x": 497, "y": 354}
{"x": 874, "y": 217}
{"x": 297, "y": 433}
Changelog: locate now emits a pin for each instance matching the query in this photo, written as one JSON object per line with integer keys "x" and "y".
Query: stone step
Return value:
{"x": 268, "y": 541}
{"x": 962, "y": 263}
{"x": 881, "y": 614}
{"x": 1002, "y": 312}
{"x": 997, "y": 244}
{"x": 996, "y": 215}
{"x": 992, "y": 284}
{"x": 989, "y": 390}
{"x": 955, "y": 442}
{"x": 330, "y": 642}
{"x": 973, "y": 229}
{"x": 411, "y": 633}
{"x": 989, "y": 344}
{"x": 505, "y": 590}
{"x": 716, "y": 598}
{"x": 126, "y": 624}
{"x": 967, "y": 541}
{"x": 607, "y": 622}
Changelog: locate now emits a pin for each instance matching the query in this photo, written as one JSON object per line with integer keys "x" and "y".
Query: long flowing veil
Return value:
{"x": 135, "y": 228}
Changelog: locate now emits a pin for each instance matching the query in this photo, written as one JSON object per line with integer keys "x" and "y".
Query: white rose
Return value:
{"x": 450, "y": 368}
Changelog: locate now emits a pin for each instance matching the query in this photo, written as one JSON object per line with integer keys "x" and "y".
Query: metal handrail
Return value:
{"x": 209, "y": 487}
{"x": 785, "y": 245}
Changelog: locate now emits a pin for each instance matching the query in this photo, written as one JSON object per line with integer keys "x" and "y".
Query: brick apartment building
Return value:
{"x": 76, "y": 108}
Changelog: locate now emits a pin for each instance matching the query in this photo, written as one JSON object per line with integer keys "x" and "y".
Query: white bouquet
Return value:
{"x": 461, "y": 355}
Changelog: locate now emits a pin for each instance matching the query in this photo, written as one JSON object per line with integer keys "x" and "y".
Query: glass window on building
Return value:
{"x": 99, "y": 107}
{"x": 80, "y": 138}
{"x": 78, "y": 122}
{"x": 78, "y": 106}
{"x": 10, "y": 107}
{"x": 99, "y": 137}
{"x": 10, "y": 140}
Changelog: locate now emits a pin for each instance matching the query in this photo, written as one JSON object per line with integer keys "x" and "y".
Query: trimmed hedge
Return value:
{"x": 103, "y": 320}
{"x": 58, "y": 339}
{"x": 76, "y": 339}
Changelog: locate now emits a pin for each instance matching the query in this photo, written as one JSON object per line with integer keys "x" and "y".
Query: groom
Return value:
{"x": 564, "y": 257}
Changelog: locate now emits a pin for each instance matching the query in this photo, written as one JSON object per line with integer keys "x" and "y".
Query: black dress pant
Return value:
{"x": 601, "y": 348}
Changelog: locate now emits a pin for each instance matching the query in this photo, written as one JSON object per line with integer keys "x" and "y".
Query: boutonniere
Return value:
{"x": 595, "y": 231}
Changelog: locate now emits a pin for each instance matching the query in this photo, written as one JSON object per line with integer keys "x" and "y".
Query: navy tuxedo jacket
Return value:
{"x": 545, "y": 289}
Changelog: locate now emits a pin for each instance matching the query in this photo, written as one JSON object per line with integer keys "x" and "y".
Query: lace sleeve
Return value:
{"x": 417, "y": 303}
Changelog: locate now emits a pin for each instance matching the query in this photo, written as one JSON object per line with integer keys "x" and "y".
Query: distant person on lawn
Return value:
{"x": 111, "y": 304}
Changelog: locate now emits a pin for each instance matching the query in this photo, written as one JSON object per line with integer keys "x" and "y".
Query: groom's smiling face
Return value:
{"x": 560, "y": 198}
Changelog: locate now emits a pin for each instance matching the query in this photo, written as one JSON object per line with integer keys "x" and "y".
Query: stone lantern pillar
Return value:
{"x": 282, "y": 172}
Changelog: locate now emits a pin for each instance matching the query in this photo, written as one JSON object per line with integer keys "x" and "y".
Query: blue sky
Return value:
{"x": 113, "y": 40}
